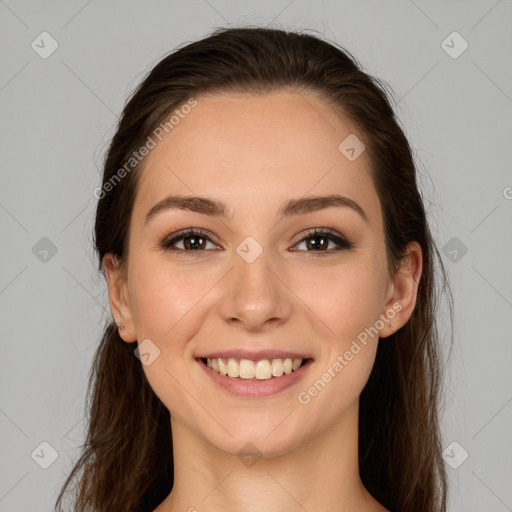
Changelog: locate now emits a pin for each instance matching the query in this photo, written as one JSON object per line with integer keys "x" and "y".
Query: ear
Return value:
{"x": 118, "y": 297}
{"x": 402, "y": 291}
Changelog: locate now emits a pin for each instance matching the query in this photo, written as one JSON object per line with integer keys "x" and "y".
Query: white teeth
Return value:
{"x": 247, "y": 370}
{"x": 277, "y": 367}
{"x": 263, "y": 369}
{"x": 223, "y": 368}
{"x": 233, "y": 368}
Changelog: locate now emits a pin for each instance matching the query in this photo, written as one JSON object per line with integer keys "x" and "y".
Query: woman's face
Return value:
{"x": 256, "y": 279}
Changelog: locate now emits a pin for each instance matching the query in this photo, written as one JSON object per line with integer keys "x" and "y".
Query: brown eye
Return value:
{"x": 318, "y": 241}
{"x": 192, "y": 241}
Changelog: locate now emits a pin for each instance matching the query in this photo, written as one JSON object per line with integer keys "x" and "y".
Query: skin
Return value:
{"x": 254, "y": 152}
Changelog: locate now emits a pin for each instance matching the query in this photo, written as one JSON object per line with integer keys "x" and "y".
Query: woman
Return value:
{"x": 271, "y": 276}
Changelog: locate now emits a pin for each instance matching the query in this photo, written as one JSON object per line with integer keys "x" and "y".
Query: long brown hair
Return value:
{"x": 127, "y": 458}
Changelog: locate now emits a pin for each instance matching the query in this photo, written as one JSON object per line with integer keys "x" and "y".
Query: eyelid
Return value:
{"x": 341, "y": 241}
{"x": 318, "y": 231}
{"x": 184, "y": 233}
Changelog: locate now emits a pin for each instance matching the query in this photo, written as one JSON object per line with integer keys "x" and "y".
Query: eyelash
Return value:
{"x": 342, "y": 242}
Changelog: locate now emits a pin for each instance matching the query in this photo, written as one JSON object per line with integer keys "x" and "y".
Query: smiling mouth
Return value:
{"x": 247, "y": 369}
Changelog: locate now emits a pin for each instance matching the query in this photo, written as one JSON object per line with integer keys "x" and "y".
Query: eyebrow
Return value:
{"x": 215, "y": 208}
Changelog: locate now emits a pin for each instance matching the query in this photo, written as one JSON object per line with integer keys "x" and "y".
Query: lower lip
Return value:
{"x": 256, "y": 388}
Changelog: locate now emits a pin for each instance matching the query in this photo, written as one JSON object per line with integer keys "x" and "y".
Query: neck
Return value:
{"x": 322, "y": 474}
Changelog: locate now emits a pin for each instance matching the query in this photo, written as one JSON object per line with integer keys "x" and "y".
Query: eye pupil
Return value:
{"x": 324, "y": 242}
{"x": 188, "y": 245}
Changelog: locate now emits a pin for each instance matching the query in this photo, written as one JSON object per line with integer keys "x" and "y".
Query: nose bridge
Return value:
{"x": 254, "y": 293}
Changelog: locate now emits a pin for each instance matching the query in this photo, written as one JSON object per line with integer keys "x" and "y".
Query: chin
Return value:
{"x": 263, "y": 440}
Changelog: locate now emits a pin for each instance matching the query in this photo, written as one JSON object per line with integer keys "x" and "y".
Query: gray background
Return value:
{"x": 57, "y": 117}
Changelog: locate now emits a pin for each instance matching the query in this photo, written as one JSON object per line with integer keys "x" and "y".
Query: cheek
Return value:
{"x": 348, "y": 302}
{"x": 169, "y": 304}
{"x": 165, "y": 297}
{"x": 334, "y": 388}
{"x": 346, "y": 298}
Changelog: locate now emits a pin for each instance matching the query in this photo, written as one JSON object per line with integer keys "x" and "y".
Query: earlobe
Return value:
{"x": 404, "y": 285}
{"x": 118, "y": 297}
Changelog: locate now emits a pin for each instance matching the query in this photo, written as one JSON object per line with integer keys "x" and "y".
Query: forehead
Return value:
{"x": 251, "y": 151}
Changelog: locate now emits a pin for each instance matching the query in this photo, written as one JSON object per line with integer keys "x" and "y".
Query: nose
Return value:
{"x": 255, "y": 295}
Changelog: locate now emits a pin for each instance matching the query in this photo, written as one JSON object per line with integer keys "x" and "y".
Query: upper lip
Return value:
{"x": 254, "y": 355}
